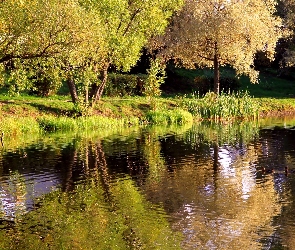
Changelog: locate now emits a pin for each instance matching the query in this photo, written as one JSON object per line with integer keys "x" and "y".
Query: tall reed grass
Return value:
{"x": 223, "y": 106}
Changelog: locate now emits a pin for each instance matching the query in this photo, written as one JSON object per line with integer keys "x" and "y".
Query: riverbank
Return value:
{"x": 27, "y": 114}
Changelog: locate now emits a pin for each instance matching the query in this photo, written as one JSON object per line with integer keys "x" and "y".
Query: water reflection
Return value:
{"x": 223, "y": 186}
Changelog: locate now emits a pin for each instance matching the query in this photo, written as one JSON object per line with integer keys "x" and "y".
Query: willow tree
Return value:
{"x": 209, "y": 33}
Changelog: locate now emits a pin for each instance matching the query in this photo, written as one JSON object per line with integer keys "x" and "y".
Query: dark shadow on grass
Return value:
{"x": 144, "y": 107}
{"x": 53, "y": 110}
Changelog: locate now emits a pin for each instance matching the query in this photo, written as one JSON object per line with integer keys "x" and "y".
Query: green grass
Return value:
{"x": 168, "y": 117}
{"x": 269, "y": 86}
{"x": 11, "y": 126}
{"x": 30, "y": 114}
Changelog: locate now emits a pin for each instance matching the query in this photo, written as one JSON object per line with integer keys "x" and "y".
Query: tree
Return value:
{"x": 209, "y": 33}
{"x": 286, "y": 10}
{"x": 37, "y": 28}
{"x": 124, "y": 28}
{"x": 33, "y": 33}
{"x": 77, "y": 40}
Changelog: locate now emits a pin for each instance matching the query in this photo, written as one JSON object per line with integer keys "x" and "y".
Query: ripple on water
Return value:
{"x": 233, "y": 195}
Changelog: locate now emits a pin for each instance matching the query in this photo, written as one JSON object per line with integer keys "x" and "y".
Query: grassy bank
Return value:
{"x": 25, "y": 114}
{"x": 29, "y": 114}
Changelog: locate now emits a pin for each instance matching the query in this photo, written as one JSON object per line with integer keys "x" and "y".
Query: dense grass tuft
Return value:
{"x": 11, "y": 126}
{"x": 52, "y": 124}
{"x": 176, "y": 116}
{"x": 211, "y": 106}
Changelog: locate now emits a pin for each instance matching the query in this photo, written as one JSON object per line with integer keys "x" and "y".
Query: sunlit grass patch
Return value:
{"x": 15, "y": 126}
{"x": 101, "y": 122}
{"x": 176, "y": 116}
{"x": 51, "y": 123}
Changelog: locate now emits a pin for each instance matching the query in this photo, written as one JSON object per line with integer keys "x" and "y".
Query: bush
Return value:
{"x": 44, "y": 87}
{"x": 156, "y": 77}
{"x": 125, "y": 85}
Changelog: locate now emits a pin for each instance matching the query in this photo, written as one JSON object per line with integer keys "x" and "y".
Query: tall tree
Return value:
{"x": 209, "y": 33}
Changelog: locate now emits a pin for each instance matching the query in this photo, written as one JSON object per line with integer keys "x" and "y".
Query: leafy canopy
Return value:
{"x": 230, "y": 31}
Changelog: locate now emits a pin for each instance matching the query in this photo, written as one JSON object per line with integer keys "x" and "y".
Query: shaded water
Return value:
{"x": 205, "y": 186}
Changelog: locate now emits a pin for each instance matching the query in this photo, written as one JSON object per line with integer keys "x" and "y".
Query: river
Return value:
{"x": 197, "y": 186}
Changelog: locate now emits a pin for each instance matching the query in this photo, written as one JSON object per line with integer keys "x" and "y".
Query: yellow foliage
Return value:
{"x": 231, "y": 31}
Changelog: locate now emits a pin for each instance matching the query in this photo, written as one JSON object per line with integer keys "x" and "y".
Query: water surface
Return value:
{"x": 205, "y": 186}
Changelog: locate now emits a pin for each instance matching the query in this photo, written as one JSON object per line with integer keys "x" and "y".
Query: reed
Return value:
{"x": 222, "y": 107}
{"x": 51, "y": 123}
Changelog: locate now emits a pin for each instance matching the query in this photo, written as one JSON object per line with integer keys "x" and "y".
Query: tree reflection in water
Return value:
{"x": 100, "y": 213}
{"x": 223, "y": 186}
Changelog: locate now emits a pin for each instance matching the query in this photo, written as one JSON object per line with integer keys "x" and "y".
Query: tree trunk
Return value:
{"x": 72, "y": 88}
{"x": 97, "y": 93}
{"x": 216, "y": 75}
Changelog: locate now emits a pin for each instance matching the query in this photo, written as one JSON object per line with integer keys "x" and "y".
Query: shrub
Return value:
{"x": 204, "y": 84}
{"x": 125, "y": 85}
{"x": 156, "y": 77}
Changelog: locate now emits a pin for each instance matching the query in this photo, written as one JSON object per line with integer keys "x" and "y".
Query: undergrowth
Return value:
{"x": 224, "y": 106}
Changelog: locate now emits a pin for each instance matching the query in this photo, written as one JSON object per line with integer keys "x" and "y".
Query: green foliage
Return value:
{"x": 42, "y": 41}
{"x": 156, "y": 77}
{"x": 123, "y": 29}
{"x": 32, "y": 34}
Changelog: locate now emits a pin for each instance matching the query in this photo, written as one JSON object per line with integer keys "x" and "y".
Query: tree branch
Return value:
{"x": 131, "y": 20}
